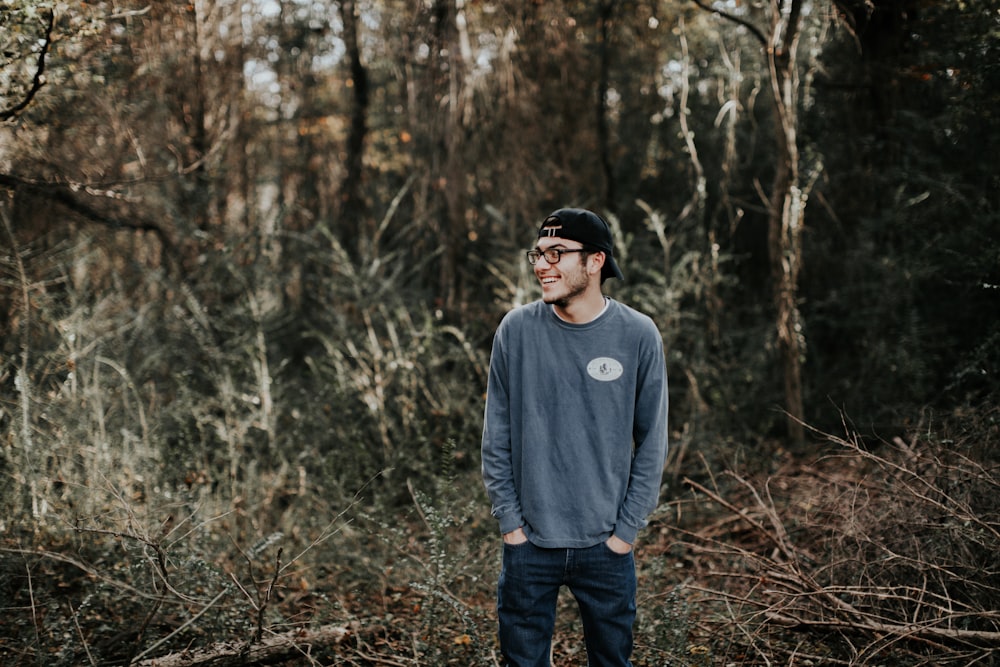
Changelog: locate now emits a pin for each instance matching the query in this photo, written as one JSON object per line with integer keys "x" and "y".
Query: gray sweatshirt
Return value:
{"x": 575, "y": 432}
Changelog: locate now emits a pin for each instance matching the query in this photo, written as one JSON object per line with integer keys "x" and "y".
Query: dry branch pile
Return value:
{"x": 882, "y": 553}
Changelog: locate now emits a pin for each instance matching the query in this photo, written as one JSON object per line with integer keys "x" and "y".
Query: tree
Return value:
{"x": 786, "y": 202}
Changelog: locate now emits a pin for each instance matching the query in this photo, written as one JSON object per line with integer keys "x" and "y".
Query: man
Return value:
{"x": 574, "y": 442}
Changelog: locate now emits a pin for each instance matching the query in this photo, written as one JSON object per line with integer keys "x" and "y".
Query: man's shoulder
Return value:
{"x": 634, "y": 319}
{"x": 519, "y": 315}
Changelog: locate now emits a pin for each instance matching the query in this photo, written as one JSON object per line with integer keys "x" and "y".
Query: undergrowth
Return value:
{"x": 188, "y": 466}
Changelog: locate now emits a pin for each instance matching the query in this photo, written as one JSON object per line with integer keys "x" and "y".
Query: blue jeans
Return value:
{"x": 603, "y": 583}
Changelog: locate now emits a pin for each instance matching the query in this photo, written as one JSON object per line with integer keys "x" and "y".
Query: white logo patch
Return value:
{"x": 605, "y": 369}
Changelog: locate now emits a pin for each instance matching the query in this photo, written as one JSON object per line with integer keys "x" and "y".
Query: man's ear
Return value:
{"x": 599, "y": 258}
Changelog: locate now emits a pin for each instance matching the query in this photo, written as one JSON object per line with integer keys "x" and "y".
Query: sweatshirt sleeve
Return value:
{"x": 498, "y": 465}
{"x": 649, "y": 437}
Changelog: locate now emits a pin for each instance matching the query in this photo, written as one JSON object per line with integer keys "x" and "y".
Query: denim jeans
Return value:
{"x": 603, "y": 584}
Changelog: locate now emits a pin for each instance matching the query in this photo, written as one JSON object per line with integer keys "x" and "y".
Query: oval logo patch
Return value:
{"x": 605, "y": 369}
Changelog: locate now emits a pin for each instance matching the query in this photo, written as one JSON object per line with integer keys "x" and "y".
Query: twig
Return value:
{"x": 743, "y": 514}
{"x": 84, "y": 567}
{"x": 327, "y": 533}
{"x": 267, "y": 596}
{"x": 79, "y": 631}
{"x": 31, "y": 598}
{"x": 918, "y": 631}
{"x": 181, "y": 628}
{"x": 159, "y": 561}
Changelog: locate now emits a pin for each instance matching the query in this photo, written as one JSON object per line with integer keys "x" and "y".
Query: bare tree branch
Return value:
{"x": 39, "y": 79}
{"x": 735, "y": 19}
{"x": 63, "y": 194}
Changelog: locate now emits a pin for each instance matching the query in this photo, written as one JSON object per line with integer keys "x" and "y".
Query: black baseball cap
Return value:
{"x": 590, "y": 229}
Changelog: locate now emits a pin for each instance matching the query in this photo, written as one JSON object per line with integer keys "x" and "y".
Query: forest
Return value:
{"x": 253, "y": 254}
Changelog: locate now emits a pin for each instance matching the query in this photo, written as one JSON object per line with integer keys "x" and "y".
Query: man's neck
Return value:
{"x": 583, "y": 309}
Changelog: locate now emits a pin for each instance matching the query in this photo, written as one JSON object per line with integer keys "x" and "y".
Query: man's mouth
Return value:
{"x": 549, "y": 280}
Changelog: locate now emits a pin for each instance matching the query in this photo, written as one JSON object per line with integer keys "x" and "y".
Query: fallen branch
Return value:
{"x": 980, "y": 637}
{"x": 270, "y": 650}
{"x": 778, "y": 537}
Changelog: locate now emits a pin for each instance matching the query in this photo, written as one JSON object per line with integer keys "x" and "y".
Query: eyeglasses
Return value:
{"x": 551, "y": 255}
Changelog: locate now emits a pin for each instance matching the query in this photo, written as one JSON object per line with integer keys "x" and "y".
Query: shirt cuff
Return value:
{"x": 626, "y": 533}
{"x": 509, "y": 523}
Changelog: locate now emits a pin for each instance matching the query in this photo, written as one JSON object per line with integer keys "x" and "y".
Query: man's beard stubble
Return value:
{"x": 577, "y": 285}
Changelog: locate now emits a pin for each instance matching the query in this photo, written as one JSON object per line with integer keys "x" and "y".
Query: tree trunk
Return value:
{"x": 603, "y": 83}
{"x": 785, "y": 214}
{"x": 454, "y": 36}
{"x": 351, "y": 200}
{"x": 786, "y": 207}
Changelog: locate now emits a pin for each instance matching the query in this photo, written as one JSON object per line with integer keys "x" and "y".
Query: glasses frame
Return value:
{"x": 536, "y": 254}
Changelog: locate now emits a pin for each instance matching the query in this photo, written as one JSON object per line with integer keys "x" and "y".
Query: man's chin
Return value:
{"x": 557, "y": 301}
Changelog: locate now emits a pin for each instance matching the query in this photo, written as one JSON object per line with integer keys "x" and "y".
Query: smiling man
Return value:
{"x": 574, "y": 442}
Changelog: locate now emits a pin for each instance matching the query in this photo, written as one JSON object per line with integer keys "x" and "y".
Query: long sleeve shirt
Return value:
{"x": 575, "y": 429}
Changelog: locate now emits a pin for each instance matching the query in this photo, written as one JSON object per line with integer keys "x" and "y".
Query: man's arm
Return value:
{"x": 498, "y": 467}
{"x": 650, "y": 439}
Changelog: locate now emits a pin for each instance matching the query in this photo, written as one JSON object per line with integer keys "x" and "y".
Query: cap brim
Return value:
{"x": 611, "y": 269}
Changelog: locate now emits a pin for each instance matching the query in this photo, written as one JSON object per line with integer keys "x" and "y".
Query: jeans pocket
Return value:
{"x": 507, "y": 546}
{"x": 515, "y": 553}
{"x": 614, "y": 553}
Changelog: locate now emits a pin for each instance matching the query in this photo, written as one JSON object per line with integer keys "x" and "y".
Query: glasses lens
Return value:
{"x": 552, "y": 255}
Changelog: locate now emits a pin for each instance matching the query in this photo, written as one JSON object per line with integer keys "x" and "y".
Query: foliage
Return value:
{"x": 214, "y": 344}
{"x": 901, "y": 291}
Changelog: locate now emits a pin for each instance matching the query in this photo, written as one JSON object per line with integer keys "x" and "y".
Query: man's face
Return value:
{"x": 568, "y": 278}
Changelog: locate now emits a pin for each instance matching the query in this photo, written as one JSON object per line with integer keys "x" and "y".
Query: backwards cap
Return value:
{"x": 577, "y": 224}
